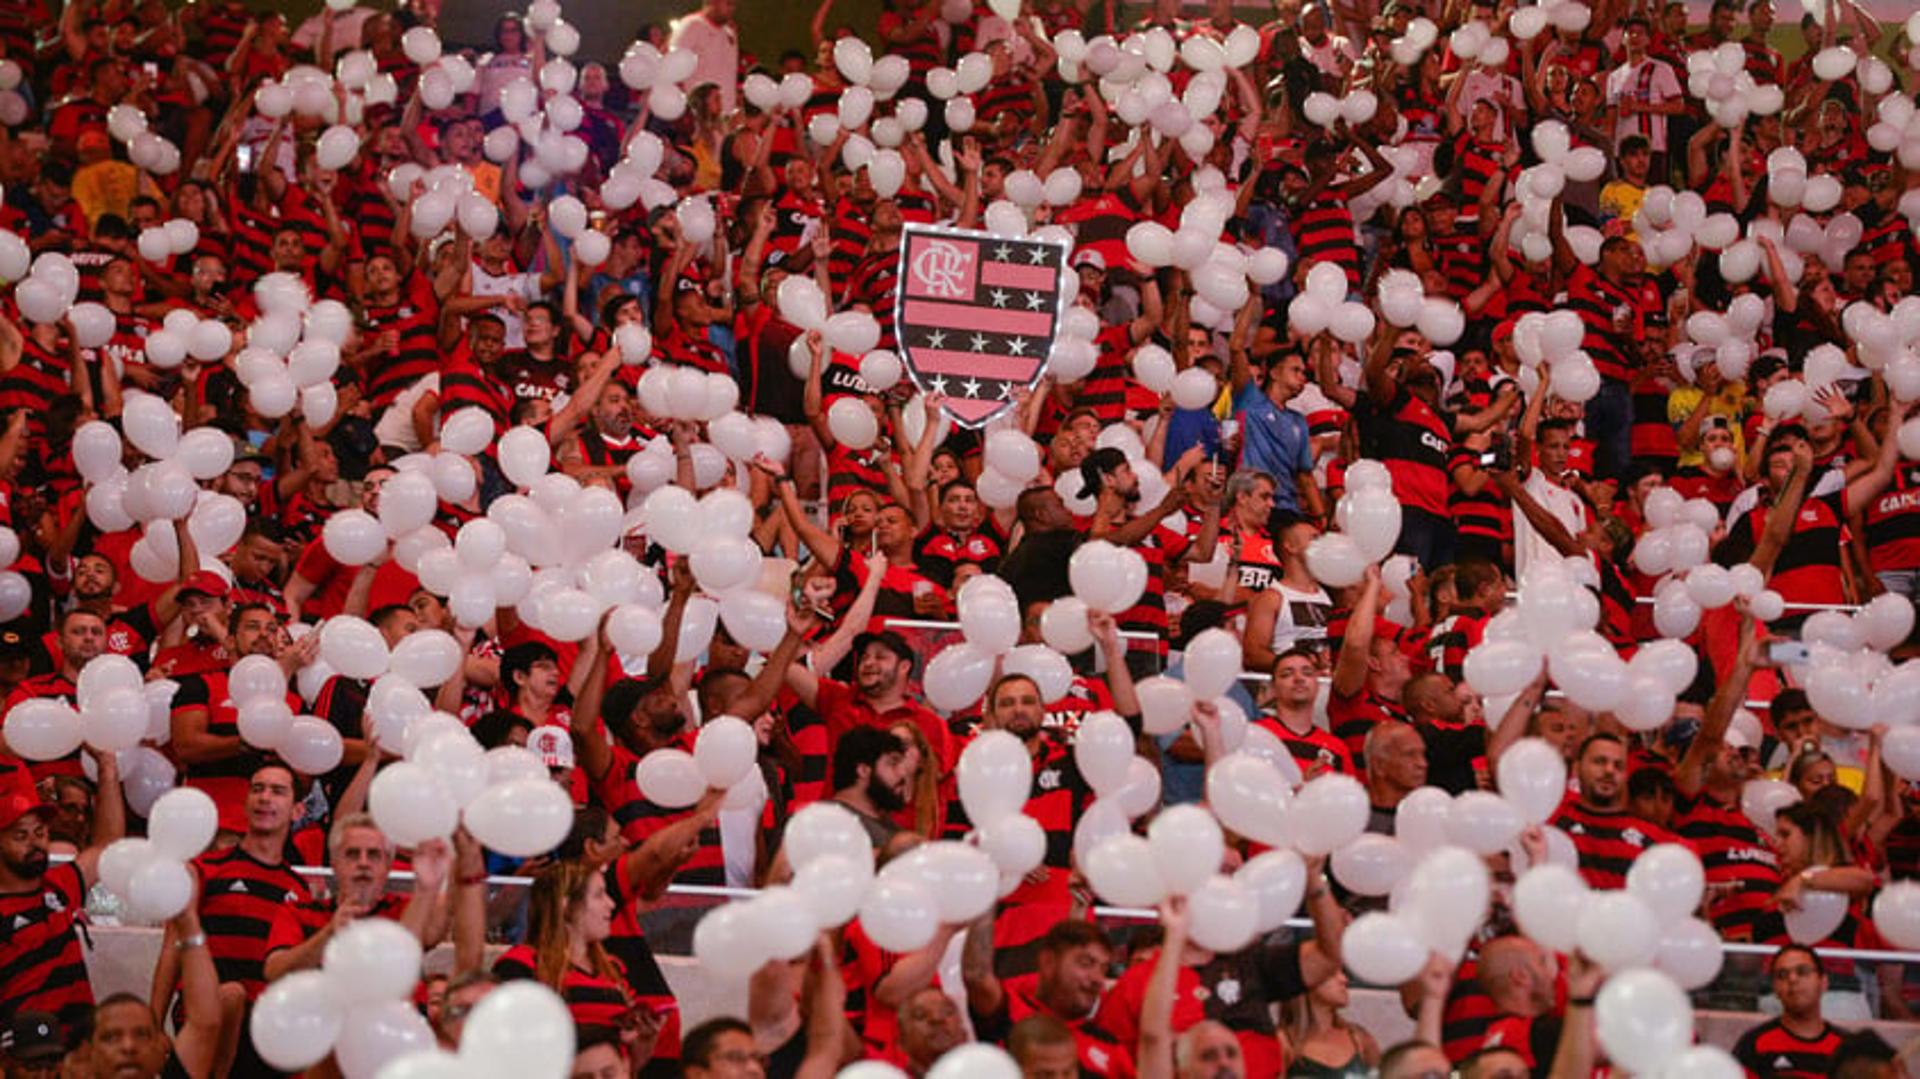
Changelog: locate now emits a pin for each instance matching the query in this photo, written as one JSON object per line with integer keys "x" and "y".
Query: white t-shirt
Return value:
{"x": 395, "y": 426}
{"x": 718, "y": 49}
{"x": 1557, "y": 500}
{"x": 1652, "y": 82}
{"x": 524, "y": 285}
{"x": 1302, "y": 618}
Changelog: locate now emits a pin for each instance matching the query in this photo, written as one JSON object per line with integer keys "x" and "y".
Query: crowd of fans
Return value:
{"x": 336, "y": 340}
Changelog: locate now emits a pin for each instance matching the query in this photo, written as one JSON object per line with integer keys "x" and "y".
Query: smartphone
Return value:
{"x": 1787, "y": 653}
{"x": 246, "y": 158}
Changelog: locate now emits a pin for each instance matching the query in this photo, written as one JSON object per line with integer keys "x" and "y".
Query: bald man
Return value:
{"x": 1208, "y": 1050}
{"x": 1521, "y": 978}
{"x": 1396, "y": 766}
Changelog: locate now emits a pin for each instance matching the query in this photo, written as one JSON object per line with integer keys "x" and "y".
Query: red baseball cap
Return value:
{"x": 208, "y": 582}
{"x": 19, "y": 798}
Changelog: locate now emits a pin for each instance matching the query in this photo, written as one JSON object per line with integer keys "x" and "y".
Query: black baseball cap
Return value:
{"x": 887, "y": 639}
{"x": 33, "y": 1038}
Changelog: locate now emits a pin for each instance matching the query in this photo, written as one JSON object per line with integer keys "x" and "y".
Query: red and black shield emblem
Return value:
{"x": 976, "y": 315}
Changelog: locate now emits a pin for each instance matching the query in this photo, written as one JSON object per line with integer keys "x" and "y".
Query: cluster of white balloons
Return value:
{"x": 358, "y": 1008}
{"x": 900, "y": 908}
{"x": 147, "y": 149}
{"x": 1223, "y": 274}
{"x": 161, "y": 242}
{"x": 162, "y": 491}
{"x": 117, "y": 712}
{"x": 1719, "y": 77}
{"x": 1368, "y": 525}
{"x": 1550, "y": 341}
{"x": 308, "y": 91}
{"x": 1132, "y": 74}
{"x": 14, "y": 109}
{"x": 1408, "y": 48}
{"x": 659, "y": 76}
{"x": 15, "y": 592}
{"x": 47, "y": 289}
{"x": 1896, "y": 130}
{"x": 292, "y": 350}
{"x": 1323, "y": 306}
{"x": 1731, "y": 333}
{"x": 150, "y": 875}
{"x": 1193, "y": 388}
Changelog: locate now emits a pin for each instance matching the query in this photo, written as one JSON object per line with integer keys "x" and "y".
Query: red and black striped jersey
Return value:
{"x": 876, "y": 284}
{"x": 938, "y": 552}
{"x": 911, "y": 35}
{"x": 1468, "y": 1016}
{"x": 646, "y": 982}
{"x": 1772, "y": 1050}
{"x": 850, "y": 470}
{"x": 852, "y": 227}
{"x": 1808, "y": 567}
{"x": 1160, "y": 549}
{"x": 1317, "y": 748}
{"x": 221, "y": 28}
{"x": 1893, "y": 523}
{"x": 414, "y": 319}
{"x": 1652, "y": 434}
{"x": 1476, "y": 162}
{"x": 240, "y": 897}
{"x": 373, "y": 216}
{"x": 1608, "y": 841}
{"x": 1484, "y": 513}
{"x": 466, "y": 384}
{"x": 1323, "y": 232}
{"x": 1414, "y": 442}
{"x": 594, "y": 1002}
{"x": 639, "y": 818}
{"x": 41, "y": 377}
{"x": 226, "y": 780}
{"x": 1534, "y": 1037}
{"x": 684, "y": 348}
{"x": 42, "y": 967}
{"x": 1595, "y": 300}
{"x": 1009, "y": 97}
{"x": 1733, "y": 853}
{"x": 1451, "y": 638}
{"x": 1352, "y": 719}
{"x": 1463, "y": 261}
{"x": 1104, "y": 390}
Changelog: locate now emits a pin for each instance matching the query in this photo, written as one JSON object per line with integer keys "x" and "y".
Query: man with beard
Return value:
{"x": 206, "y": 739}
{"x": 82, "y": 636}
{"x": 242, "y": 888}
{"x": 600, "y": 452}
{"x": 870, "y": 779}
{"x": 129, "y": 631}
{"x": 1058, "y": 797}
{"x": 361, "y": 858}
{"x": 1296, "y": 685}
{"x": 1069, "y": 987}
{"x": 1741, "y": 870}
{"x": 127, "y": 1040}
{"x": 42, "y": 967}
{"x": 882, "y": 663}
{"x": 1606, "y": 836}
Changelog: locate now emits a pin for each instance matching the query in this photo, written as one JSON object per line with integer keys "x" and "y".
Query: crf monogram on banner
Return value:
{"x": 976, "y": 316}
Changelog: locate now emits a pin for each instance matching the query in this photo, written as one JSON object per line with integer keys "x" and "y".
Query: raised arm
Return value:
{"x": 1156, "y": 1005}
{"x": 1356, "y": 645}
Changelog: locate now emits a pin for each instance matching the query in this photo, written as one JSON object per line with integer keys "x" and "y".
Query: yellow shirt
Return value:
{"x": 105, "y": 187}
{"x": 1620, "y": 199}
{"x": 1730, "y": 402}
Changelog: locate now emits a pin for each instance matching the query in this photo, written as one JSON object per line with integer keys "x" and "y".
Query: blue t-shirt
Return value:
{"x": 1189, "y": 427}
{"x": 1273, "y": 439}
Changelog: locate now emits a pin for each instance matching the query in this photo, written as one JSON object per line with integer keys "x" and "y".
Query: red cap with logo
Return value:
{"x": 19, "y": 798}
{"x": 208, "y": 582}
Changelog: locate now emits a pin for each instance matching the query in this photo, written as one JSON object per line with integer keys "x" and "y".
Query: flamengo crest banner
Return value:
{"x": 976, "y": 315}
